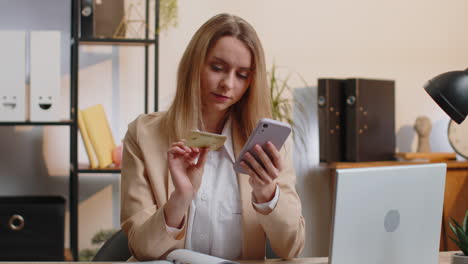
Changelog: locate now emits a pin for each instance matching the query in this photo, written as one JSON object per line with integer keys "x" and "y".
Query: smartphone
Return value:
{"x": 266, "y": 130}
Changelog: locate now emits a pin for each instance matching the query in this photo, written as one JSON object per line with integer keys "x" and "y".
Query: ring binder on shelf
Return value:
{"x": 45, "y": 75}
{"x": 12, "y": 76}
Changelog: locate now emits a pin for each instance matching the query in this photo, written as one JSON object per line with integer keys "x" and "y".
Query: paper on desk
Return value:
{"x": 185, "y": 256}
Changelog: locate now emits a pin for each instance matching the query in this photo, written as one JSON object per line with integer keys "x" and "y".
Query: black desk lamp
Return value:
{"x": 450, "y": 91}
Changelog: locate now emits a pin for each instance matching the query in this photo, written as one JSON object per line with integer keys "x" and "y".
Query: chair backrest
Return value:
{"x": 114, "y": 249}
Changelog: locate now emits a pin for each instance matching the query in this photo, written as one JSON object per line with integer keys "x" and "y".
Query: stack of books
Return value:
{"x": 97, "y": 136}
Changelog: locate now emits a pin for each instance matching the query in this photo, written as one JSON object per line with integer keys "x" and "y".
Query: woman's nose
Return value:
{"x": 228, "y": 80}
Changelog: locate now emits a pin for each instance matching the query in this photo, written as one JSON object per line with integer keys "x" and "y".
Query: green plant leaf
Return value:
{"x": 168, "y": 16}
{"x": 460, "y": 234}
{"x": 464, "y": 249}
{"x": 284, "y": 84}
{"x": 102, "y": 236}
{"x": 458, "y": 227}
{"x": 455, "y": 241}
{"x": 465, "y": 223}
{"x": 281, "y": 105}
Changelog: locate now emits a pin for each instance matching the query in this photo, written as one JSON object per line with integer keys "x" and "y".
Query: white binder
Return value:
{"x": 12, "y": 76}
{"x": 45, "y": 75}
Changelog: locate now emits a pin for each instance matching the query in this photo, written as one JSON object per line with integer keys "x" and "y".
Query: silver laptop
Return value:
{"x": 388, "y": 215}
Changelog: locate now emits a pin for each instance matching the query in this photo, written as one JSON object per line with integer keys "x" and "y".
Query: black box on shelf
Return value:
{"x": 102, "y": 18}
{"x": 32, "y": 228}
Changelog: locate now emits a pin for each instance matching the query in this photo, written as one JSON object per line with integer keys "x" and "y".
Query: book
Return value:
{"x": 100, "y": 135}
{"x": 87, "y": 142}
{"x": 188, "y": 257}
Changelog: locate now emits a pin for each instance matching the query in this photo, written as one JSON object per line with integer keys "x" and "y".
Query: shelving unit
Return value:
{"x": 76, "y": 42}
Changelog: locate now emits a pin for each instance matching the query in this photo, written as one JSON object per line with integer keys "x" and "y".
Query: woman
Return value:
{"x": 175, "y": 196}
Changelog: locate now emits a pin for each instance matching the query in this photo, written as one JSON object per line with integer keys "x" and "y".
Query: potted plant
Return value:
{"x": 98, "y": 240}
{"x": 460, "y": 239}
{"x": 282, "y": 101}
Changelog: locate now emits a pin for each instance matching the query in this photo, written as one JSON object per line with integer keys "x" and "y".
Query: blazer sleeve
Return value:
{"x": 141, "y": 219}
{"x": 284, "y": 226}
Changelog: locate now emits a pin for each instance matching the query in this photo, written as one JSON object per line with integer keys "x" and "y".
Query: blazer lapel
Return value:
{"x": 253, "y": 238}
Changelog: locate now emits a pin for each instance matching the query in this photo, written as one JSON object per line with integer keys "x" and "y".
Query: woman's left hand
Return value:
{"x": 263, "y": 175}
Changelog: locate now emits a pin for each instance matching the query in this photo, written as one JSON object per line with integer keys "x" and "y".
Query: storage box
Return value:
{"x": 32, "y": 228}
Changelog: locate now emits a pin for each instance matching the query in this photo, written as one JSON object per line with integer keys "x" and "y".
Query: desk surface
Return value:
{"x": 443, "y": 259}
{"x": 347, "y": 165}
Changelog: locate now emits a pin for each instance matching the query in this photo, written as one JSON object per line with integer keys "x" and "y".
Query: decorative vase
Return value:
{"x": 459, "y": 258}
{"x": 117, "y": 155}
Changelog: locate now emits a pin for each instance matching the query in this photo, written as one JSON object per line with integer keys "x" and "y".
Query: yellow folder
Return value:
{"x": 99, "y": 134}
{"x": 87, "y": 143}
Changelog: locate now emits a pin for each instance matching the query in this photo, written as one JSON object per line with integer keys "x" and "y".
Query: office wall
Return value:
{"x": 409, "y": 41}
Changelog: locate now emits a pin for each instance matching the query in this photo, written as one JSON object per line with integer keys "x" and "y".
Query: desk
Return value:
{"x": 444, "y": 258}
{"x": 456, "y": 191}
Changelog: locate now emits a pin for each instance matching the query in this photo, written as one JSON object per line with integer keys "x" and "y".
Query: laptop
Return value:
{"x": 388, "y": 215}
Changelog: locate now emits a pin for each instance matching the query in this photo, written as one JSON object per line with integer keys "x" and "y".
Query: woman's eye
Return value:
{"x": 216, "y": 68}
{"x": 243, "y": 75}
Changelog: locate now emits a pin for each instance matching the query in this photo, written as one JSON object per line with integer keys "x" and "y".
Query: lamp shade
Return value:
{"x": 450, "y": 91}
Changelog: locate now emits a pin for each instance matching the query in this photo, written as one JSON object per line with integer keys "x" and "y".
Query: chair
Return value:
{"x": 270, "y": 254}
{"x": 114, "y": 249}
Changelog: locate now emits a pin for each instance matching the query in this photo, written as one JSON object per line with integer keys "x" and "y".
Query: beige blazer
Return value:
{"x": 146, "y": 186}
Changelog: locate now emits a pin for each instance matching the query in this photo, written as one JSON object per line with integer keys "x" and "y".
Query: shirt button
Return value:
{"x": 204, "y": 197}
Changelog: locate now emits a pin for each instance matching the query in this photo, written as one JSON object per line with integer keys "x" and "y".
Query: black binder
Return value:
{"x": 370, "y": 120}
{"x": 331, "y": 94}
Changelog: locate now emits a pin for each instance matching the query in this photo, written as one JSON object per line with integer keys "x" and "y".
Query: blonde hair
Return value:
{"x": 185, "y": 113}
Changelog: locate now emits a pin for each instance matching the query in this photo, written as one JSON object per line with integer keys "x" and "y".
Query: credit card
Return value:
{"x": 198, "y": 139}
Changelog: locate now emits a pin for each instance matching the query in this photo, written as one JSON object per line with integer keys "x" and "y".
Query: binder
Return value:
{"x": 45, "y": 75}
{"x": 12, "y": 76}
{"x": 87, "y": 142}
{"x": 331, "y": 94}
{"x": 370, "y": 120}
{"x": 98, "y": 130}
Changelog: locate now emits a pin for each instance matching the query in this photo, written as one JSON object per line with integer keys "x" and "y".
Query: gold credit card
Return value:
{"x": 198, "y": 139}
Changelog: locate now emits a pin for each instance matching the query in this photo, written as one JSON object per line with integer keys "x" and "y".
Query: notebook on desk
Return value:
{"x": 388, "y": 215}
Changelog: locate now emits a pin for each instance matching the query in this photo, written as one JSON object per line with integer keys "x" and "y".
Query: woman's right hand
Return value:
{"x": 185, "y": 172}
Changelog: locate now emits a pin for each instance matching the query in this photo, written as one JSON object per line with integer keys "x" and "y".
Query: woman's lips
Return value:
{"x": 220, "y": 98}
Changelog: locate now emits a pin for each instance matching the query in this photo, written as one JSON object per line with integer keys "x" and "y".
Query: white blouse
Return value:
{"x": 215, "y": 219}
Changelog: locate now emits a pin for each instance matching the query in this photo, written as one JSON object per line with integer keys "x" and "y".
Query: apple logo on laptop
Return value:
{"x": 392, "y": 220}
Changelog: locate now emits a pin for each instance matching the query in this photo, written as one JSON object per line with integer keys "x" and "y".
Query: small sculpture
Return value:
{"x": 423, "y": 128}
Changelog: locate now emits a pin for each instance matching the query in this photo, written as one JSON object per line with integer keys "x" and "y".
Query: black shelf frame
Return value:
{"x": 29, "y": 123}
{"x": 75, "y": 42}
{"x": 103, "y": 171}
{"x": 113, "y": 42}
